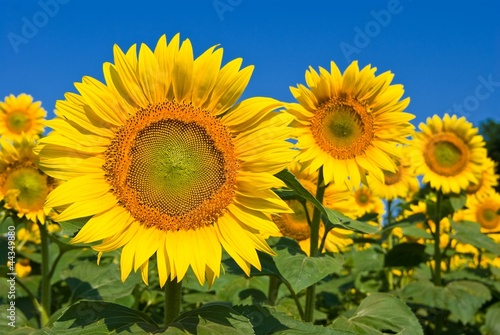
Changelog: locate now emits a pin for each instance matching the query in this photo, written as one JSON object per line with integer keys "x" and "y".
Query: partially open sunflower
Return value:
{"x": 165, "y": 162}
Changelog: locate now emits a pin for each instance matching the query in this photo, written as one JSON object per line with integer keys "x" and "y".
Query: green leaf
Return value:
{"x": 379, "y": 313}
{"x": 333, "y": 217}
{"x": 98, "y": 317}
{"x": 267, "y": 321}
{"x": 371, "y": 259}
{"x": 300, "y": 270}
{"x": 406, "y": 255}
{"x": 71, "y": 227}
{"x": 491, "y": 325}
{"x": 211, "y": 319}
{"x": 457, "y": 201}
{"x": 98, "y": 282}
{"x": 462, "y": 297}
{"x": 470, "y": 233}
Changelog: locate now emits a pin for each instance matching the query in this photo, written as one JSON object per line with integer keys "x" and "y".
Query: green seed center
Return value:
{"x": 18, "y": 122}
{"x": 447, "y": 154}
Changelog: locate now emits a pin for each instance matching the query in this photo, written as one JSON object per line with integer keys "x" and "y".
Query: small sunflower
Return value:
{"x": 296, "y": 225}
{"x": 23, "y": 187}
{"x": 165, "y": 163}
{"x": 20, "y": 115}
{"x": 487, "y": 180}
{"x": 448, "y": 153}
{"x": 350, "y": 124}
{"x": 485, "y": 212}
{"x": 366, "y": 202}
{"x": 400, "y": 184}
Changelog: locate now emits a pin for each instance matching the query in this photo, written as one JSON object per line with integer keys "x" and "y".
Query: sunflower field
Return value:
{"x": 160, "y": 202}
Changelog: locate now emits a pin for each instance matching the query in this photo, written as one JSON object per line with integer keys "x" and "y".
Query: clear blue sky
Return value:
{"x": 446, "y": 54}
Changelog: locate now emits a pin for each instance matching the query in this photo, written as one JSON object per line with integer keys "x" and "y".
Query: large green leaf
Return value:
{"x": 98, "y": 317}
{"x": 300, "y": 270}
{"x": 211, "y": 320}
{"x": 334, "y": 217}
{"x": 98, "y": 282}
{"x": 267, "y": 321}
{"x": 406, "y": 255}
{"x": 470, "y": 233}
{"x": 462, "y": 297}
{"x": 379, "y": 313}
{"x": 491, "y": 324}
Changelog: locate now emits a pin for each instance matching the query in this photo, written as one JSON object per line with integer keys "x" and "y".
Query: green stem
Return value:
{"x": 274, "y": 285}
{"x": 437, "y": 242}
{"x": 390, "y": 245}
{"x": 46, "y": 292}
{"x": 313, "y": 251}
{"x": 296, "y": 299}
{"x": 173, "y": 295}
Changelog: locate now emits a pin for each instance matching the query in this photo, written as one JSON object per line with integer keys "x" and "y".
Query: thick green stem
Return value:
{"x": 46, "y": 292}
{"x": 173, "y": 295}
{"x": 274, "y": 285}
{"x": 313, "y": 251}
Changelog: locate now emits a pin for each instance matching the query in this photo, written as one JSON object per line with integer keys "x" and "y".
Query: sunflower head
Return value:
{"x": 21, "y": 116}
{"x": 486, "y": 182}
{"x": 448, "y": 153}
{"x": 23, "y": 186}
{"x": 350, "y": 123}
{"x": 485, "y": 212}
{"x": 400, "y": 184}
{"x": 165, "y": 162}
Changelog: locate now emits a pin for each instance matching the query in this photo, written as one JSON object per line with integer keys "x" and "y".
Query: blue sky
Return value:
{"x": 446, "y": 54}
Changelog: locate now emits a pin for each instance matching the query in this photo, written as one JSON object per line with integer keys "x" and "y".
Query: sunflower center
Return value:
{"x": 392, "y": 178}
{"x": 488, "y": 218}
{"x": 25, "y": 187}
{"x": 17, "y": 122}
{"x": 473, "y": 188}
{"x": 343, "y": 127}
{"x": 293, "y": 225}
{"x": 362, "y": 198}
{"x": 172, "y": 166}
{"x": 446, "y": 154}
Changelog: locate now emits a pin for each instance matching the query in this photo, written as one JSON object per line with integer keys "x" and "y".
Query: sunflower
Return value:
{"x": 487, "y": 180}
{"x": 350, "y": 124}
{"x": 366, "y": 202}
{"x": 164, "y": 162}
{"x": 20, "y": 115}
{"x": 400, "y": 184}
{"x": 296, "y": 225}
{"x": 484, "y": 212}
{"x": 448, "y": 153}
{"x": 23, "y": 187}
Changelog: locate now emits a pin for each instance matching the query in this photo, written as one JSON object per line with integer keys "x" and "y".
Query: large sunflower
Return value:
{"x": 20, "y": 115}
{"x": 296, "y": 225}
{"x": 350, "y": 124}
{"x": 400, "y": 184}
{"x": 165, "y": 163}
{"x": 23, "y": 187}
{"x": 448, "y": 153}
